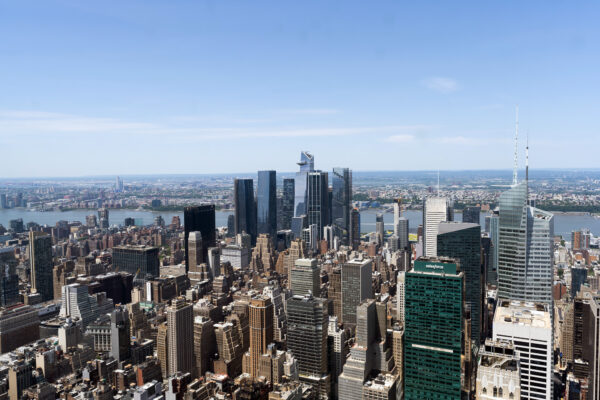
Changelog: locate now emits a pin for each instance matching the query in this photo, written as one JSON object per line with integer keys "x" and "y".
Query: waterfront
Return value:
{"x": 563, "y": 223}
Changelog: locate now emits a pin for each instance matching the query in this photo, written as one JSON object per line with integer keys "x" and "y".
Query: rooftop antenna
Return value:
{"x": 516, "y": 148}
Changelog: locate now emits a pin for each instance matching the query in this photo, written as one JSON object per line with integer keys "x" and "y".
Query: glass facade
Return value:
{"x": 433, "y": 331}
{"x": 245, "y": 208}
{"x": 287, "y": 203}
{"x": 318, "y": 201}
{"x": 266, "y": 203}
{"x": 341, "y": 203}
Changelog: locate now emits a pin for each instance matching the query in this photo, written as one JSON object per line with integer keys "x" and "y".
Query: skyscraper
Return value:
{"x": 201, "y": 219}
{"x": 305, "y": 277}
{"x": 195, "y": 257}
{"x": 435, "y": 210}
{"x": 9, "y": 280}
{"x": 356, "y": 287}
{"x": 402, "y": 228}
{"x": 492, "y": 273}
{"x": 103, "y": 218}
{"x": 245, "y": 208}
{"x": 287, "y": 203}
{"x": 433, "y": 330}
{"x": 355, "y": 228}
{"x": 266, "y": 203}
{"x": 462, "y": 241}
{"x": 261, "y": 332}
{"x": 318, "y": 201}
{"x": 120, "y": 335}
{"x": 379, "y": 228}
{"x": 140, "y": 261}
{"x": 525, "y": 248}
{"x": 307, "y": 339}
{"x": 40, "y": 259}
{"x": 341, "y": 203}
{"x": 471, "y": 214}
{"x": 306, "y": 164}
{"x": 180, "y": 322}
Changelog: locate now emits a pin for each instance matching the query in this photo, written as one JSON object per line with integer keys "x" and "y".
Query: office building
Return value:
{"x": 197, "y": 267}
{"x": 580, "y": 240}
{"x": 205, "y": 345}
{"x": 274, "y": 293}
{"x": 266, "y": 203}
{"x": 237, "y": 256}
{"x": 180, "y": 322}
{"x": 338, "y": 351}
{"x": 305, "y": 277}
{"x": 78, "y": 303}
{"x": 492, "y": 272}
{"x": 462, "y": 242}
{"x": 355, "y": 228}
{"x": 245, "y": 208}
{"x": 498, "y": 372}
{"x": 401, "y": 226}
{"x": 471, "y": 215}
{"x": 528, "y": 326}
{"x": 261, "y": 332}
{"x": 20, "y": 377}
{"x": 229, "y": 347}
{"x": 341, "y": 204}
{"x": 287, "y": 204}
{"x": 433, "y": 330}
{"x": 9, "y": 280}
{"x": 379, "y": 228}
{"x": 40, "y": 259}
{"x": 400, "y": 297}
{"x": 200, "y": 219}
{"x": 578, "y": 278}
{"x": 139, "y": 260}
{"x": 317, "y": 205}
{"x": 356, "y": 287}
{"x": 162, "y": 348}
{"x": 120, "y": 334}
{"x": 91, "y": 221}
{"x": 525, "y": 248}
{"x": 307, "y": 340}
{"x": 435, "y": 210}
{"x": 306, "y": 164}
{"x": 103, "y": 218}
{"x": 18, "y": 326}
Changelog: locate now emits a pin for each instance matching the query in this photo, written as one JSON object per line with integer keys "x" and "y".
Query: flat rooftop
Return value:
{"x": 535, "y": 315}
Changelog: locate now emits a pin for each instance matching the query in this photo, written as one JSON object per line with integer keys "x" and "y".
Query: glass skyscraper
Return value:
{"x": 266, "y": 203}
{"x": 200, "y": 219}
{"x": 307, "y": 164}
{"x": 287, "y": 203}
{"x": 433, "y": 330}
{"x": 341, "y": 203}
{"x": 245, "y": 208}
{"x": 318, "y": 201}
{"x": 462, "y": 241}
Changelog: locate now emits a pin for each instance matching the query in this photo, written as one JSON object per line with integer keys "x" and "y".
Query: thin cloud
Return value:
{"x": 441, "y": 84}
{"x": 400, "y": 138}
{"x": 309, "y": 111}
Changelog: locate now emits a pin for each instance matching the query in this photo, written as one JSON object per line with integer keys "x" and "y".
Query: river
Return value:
{"x": 563, "y": 223}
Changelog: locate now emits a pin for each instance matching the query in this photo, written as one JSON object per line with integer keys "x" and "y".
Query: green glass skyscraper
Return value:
{"x": 433, "y": 330}
{"x": 462, "y": 241}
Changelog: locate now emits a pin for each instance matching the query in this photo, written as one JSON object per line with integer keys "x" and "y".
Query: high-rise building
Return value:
{"x": 139, "y": 260}
{"x": 578, "y": 278}
{"x": 3, "y": 202}
{"x": 462, "y": 242}
{"x": 287, "y": 203}
{"x": 435, "y": 210}
{"x": 9, "y": 280}
{"x": 433, "y": 330}
{"x": 492, "y": 272}
{"x": 355, "y": 228}
{"x": 162, "y": 348}
{"x": 120, "y": 334}
{"x": 266, "y": 203}
{"x": 305, "y": 277}
{"x": 103, "y": 218}
{"x": 40, "y": 259}
{"x": 525, "y": 248}
{"x": 195, "y": 257}
{"x": 279, "y": 315}
{"x": 200, "y": 219}
{"x": 229, "y": 347}
{"x": 471, "y": 214}
{"x": 180, "y": 322}
{"x": 78, "y": 303}
{"x": 306, "y": 164}
{"x": 498, "y": 372}
{"x": 529, "y": 327}
{"x": 338, "y": 350}
{"x": 205, "y": 345}
{"x": 18, "y": 326}
{"x": 402, "y": 233}
{"x": 245, "y": 208}
{"x": 307, "y": 339}
{"x": 261, "y": 332}
{"x": 317, "y": 208}
{"x": 580, "y": 239}
{"x": 341, "y": 203}
{"x": 379, "y": 228}
{"x": 400, "y": 297}
{"x": 356, "y": 287}
{"x": 91, "y": 221}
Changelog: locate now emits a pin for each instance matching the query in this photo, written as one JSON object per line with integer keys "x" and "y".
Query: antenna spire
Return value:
{"x": 516, "y": 148}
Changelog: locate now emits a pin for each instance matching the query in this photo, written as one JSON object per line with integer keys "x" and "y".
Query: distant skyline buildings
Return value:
{"x": 341, "y": 204}
{"x": 245, "y": 207}
{"x": 266, "y": 203}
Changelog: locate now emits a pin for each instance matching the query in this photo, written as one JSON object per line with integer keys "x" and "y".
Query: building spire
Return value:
{"x": 516, "y": 148}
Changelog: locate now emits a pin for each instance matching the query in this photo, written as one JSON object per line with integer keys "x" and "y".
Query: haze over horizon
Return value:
{"x": 203, "y": 87}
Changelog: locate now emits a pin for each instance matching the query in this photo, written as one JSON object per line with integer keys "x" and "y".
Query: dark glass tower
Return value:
{"x": 201, "y": 219}
{"x": 471, "y": 214}
{"x": 318, "y": 201}
{"x": 287, "y": 203}
{"x": 433, "y": 330}
{"x": 40, "y": 259}
{"x": 245, "y": 208}
{"x": 266, "y": 203}
{"x": 462, "y": 241}
{"x": 341, "y": 203}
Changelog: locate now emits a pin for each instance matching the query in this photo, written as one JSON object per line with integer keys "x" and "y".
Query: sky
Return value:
{"x": 164, "y": 87}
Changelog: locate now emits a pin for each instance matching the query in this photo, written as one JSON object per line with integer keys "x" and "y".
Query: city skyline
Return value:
{"x": 394, "y": 79}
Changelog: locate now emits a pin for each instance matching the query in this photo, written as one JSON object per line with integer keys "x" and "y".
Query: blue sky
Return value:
{"x": 128, "y": 87}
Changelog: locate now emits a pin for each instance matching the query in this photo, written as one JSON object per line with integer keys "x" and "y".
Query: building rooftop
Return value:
{"x": 452, "y": 226}
{"x": 535, "y": 315}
